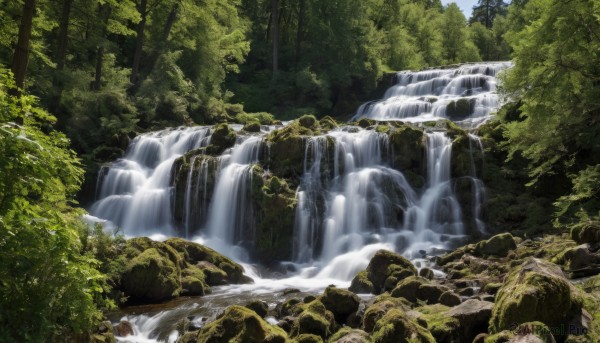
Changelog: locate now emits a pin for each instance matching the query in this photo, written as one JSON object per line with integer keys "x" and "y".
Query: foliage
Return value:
{"x": 556, "y": 79}
{"x": 48, "y": 289}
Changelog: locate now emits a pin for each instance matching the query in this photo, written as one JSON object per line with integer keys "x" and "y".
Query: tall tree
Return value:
{"x": 486, "y": 11}
{"x": 275, "y": 28}
{"x": 21, "y": 54}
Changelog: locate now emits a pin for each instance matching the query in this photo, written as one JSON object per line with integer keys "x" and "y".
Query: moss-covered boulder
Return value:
{"x": 153, "y": 272}
{"x": 308, "y": 338}
{"x": 383, "y": 265}
{"x": 408, "y": 148}
{"x": 361, "y": 284}
{"x": 194, "y": 254}
{"x": 348, "y": 335}
{"x": 586, "y": 232}
{"x": 223, "y": 137}
{"x": 380, "y": 306}
{"x": 239, "y": 324}
{"x": 416, "y": 288}
{"x": 340, "y": 302}
{"x": 499, "y": 245}
{"x": 444, "y": 328}
{"x": 396, "y": 327}
{"x": 260, "y": 307}
{"x": 193, "y": 281}
{"x": 536, "y": 291}
{"x": 460, "y": 109}
{"x": 327, "y": 123}
{"x": 314, "y": 319}
{"x": 473, "y": 316}
{"x": 274, "y": 212}
{"x": 253, "y": 126}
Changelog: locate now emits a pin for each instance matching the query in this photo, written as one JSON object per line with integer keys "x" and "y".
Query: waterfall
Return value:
{"x": 228, "y": 214}
{"x": 135, "y": 191}
{"x": 467, "y": 93}
{"x": 351, "y": 197}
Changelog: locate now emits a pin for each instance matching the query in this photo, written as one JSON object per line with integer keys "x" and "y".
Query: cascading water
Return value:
{"x": 352, "y": 197}
{"x": 466, "y": 93}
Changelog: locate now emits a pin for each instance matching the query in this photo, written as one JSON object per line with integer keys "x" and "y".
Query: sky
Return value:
{"x": 465, "y": 5}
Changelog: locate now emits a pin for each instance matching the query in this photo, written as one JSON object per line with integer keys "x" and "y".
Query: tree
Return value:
{"x": 48, "y": 289}
{"x": 458, "y": 46}
{"x": 555, "y": 77}
{"x": 487, "y": 10}
{"x": 21, "y": 55}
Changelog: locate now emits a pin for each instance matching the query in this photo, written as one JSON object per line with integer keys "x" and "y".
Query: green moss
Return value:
{"x": 396, "y": 327}
{"x": 308, "y": 121}
{"x": 252, "y": 126}
{"x": 409, "y": 288}
{"x": 350, "y": 335}
{"x": 308, "y": 338}
{"x": 340, "y": 302}
{"x": 315, "y": 319}
{"x": 536, "y": 291}
{"x": 442, "y": 327}
{"x": 193, "y": 282}
{"x": 239, "y": 324}
{"x": 379, "y": 268}
{"x": 361, "y": 283}
{"x": 499, "y": 245}
{"x": 381, "y": 305}
{"x": 382, "y": 128}
{"x": 262, "y": 118}
{"x": 222, "y": 138}
{"x": 408, "y": 147}
{"x": 327, "y": 123}
{"x": 151, "y": 276}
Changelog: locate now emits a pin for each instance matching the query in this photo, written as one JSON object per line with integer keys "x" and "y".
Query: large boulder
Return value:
{"x": 498, "y": 245}
{"x": 239, "y": 324}
{"x": 536, "y": 291}
{"x": 415, "y": 288}
{"x": 340, "y": 302}
{"x": 384, "y": 264}
{"x": 473, "y": 316}
{"x": 396, "y": 327}
{"x": 380, "y": 306}
{"x": 587, "y": 232}
{"x": 222, "y": 138}
{"x": 151, "y": 276}
{"x": 444, "y": 328}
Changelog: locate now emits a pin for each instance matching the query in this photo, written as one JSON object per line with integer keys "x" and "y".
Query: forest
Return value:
{"x": 80, "y": 80}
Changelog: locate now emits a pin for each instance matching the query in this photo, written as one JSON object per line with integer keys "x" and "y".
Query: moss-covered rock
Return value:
{"x": 416, "y": 288}
{"x": 314, "y": 319}
{"x": 327, "y": 123}
{"x": 151, "y": 276}
{"x": 450, "y": 299}
{"x": 536, "y": 291}
{"x": 499, "y": 245}
{"x": 383, "y": 265}
{"x": 195, "y": 254}
{"x": 460, "y": 109}
{"x": 340, "y": 302}
{"x": 586, "y": 232}
{"x": 274, "y": 211}
{"x": 408, "y": 147}
{"x": 193, "y": 281}
{"x": 348, "y": 335}
{"x": 361, "y": 284}
{"x": 308, "y": 338}
{"x": 239, "y": 324}
{"x": 444, "y": 328}
{"x": 396, "y": 327}
{"x": 380, "y": 306}
{"x": 260, "y": 307}
{"x": 223, "y": 137}
{"x": 473, "y": 316}
{"x": 253, "y": 126}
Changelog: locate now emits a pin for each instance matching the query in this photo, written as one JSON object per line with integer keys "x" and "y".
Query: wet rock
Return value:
{"x": 460, "y": 109}
{"x": 340, "y": 302}
{"x": 290, "y": 291}
{"x": 473, "y": 316}
{"x": 396, "y": 327}
{"x": 449, "y": 299}
{"x": 426, "y": 273}
{"x": 498, "y": 245}
{"x": 536, "y": 291}
{"x": 240, "y": 324}
{"x": 123, "y": 329}
{"x": 466, "y": 292}
{"x": 253, "y": 126}
{"x": 286, "y": 323}
{"x": 383, "y": 265}
{"x": 223, "y": 137}
{"x": 577, "y": 258}
{"x": 193, "y": 282}
{"x": 214, "y": 275}
{"x": 260, "y": 307}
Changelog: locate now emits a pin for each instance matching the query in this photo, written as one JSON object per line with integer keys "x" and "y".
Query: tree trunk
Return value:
{"x": 105, "y": 11}
{"x": 164, "y": 38}
{"x": 61, "y": 53}
{"x": 300, "y": 33}
{"x": 21, "y": 55}
{"x": 137, "y": 56}
{"x": 275, "y": 27}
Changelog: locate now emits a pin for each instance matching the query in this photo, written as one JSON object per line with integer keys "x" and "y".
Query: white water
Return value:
{"x": 351, "y": 202}
{"x": 425, "y": 95}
